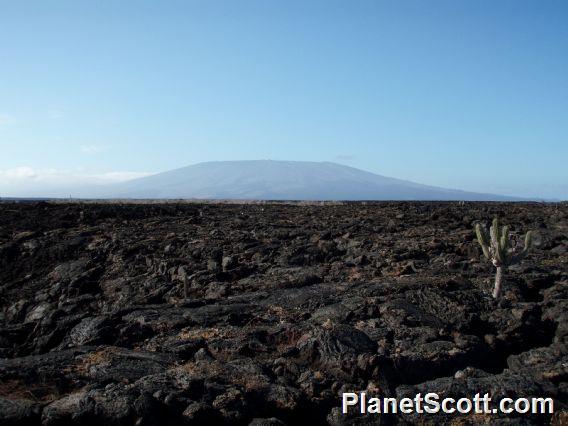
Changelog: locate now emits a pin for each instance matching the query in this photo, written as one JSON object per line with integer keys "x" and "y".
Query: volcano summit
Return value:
{"x": 283, "y": 180}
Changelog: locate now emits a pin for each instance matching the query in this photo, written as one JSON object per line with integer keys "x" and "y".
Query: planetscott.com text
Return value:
{"x": 432, "y": 403}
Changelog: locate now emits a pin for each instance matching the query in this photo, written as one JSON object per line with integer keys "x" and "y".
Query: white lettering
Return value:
{"x": 374, "y": 406}
{"x": 393, "y": 405}
{"x": 349, "y": 398}
{"x": 460, "y": 405}
{"x": 525, "y": 402}
{"x": 406, "y": 405}
{"x": 538, "y": 405}
{"x": 418, "y": 403}
{"x": 445, "y": 408}
{"x": 432, "y": 404}
{"x": 505, "y": 405}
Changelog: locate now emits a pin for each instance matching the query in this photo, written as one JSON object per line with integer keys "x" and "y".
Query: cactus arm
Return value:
{"x": 484, "y": 234}
{"x": 516, "y": 258}
{"x": 504, "y": 245}
{"x": 528, "y": 240}
{"x": 483, "y": 239}
{"x": 505, "y": 238}
{"x": 494, "y": 231}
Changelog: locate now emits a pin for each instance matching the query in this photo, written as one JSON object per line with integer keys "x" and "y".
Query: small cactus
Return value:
{"x": 184, "y": 279}
{"x": 496, "y": 247}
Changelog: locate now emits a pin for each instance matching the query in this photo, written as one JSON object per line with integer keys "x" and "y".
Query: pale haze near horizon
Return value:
{"x": 459, "y": 95}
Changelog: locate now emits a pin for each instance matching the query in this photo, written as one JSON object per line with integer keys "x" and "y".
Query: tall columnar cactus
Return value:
{"x": 496, "y": 247}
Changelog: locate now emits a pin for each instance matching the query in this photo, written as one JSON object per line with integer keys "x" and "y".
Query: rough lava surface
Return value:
{"x": 288, "y": 306}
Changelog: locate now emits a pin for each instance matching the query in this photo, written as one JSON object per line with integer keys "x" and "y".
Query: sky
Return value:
{"x": 460, "y": 94}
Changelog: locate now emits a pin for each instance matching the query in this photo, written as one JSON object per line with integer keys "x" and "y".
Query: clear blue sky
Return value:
{"x": 463, "y": 94}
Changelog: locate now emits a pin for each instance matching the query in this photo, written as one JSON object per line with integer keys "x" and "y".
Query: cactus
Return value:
{"x": 496, "y": 247}
{"x": 184, "y": 279}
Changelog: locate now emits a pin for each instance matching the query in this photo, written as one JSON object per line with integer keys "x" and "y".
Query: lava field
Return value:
{"x": 288, "y": 306}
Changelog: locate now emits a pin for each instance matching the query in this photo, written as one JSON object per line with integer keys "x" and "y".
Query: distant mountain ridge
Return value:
{"x": 283, "y": 180}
